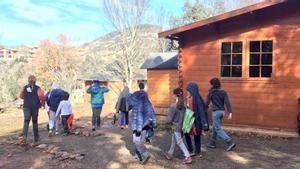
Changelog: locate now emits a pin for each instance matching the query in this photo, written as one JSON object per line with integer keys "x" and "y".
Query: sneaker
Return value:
{"x": 93, "y": 129}
{"x": 231, "y": 146}
{"x": 192, "y": 154}
{"x": 198, "y": 155}
{"x": 56, "y": 133}
{"x": 210, "y": 145}
{"x": 145, "y": 157}
{"x": 168, "y": 156}
{"x": 188, "y": 160}
{"x": 65, "y": 134}
{"x": 50, "y": 133}
{"x": 136, "y": 157}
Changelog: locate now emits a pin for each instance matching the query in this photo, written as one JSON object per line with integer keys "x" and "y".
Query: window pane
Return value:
{"x": 226, "y": 47}
{"x": 237, "y": 47}
{"x": 255, "y": 46}
{"x": 237, "y": 71}
{"x": 225, "y": 71}
{"x": 267, "y": 46}
{"x": 254, "y": 71}
{"x": 226, "y": 60}
{"x": 266, "y": 71}
{"x": 254, "y": 59}
{"x": 266, "y": 59}
{"x": 237, "y": 59}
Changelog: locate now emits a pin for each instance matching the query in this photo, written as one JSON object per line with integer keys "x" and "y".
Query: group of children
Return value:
{"x": 59, "y": 109}
{"x": 195, "y": 103}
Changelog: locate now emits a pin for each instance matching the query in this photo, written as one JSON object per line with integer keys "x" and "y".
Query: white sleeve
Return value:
{"x": 58, "y": 109}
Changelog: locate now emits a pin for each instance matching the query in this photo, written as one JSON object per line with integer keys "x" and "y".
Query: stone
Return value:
{"x": 50, "y": 148}
{"x": 79, "y": 158}
{"x": 42, "y": 146}
{"x": 73, "y": 156}
{"x": 55, "y": 150}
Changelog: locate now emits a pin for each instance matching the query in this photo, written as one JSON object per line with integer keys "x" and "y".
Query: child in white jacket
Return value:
{"x": 65, "y": 110}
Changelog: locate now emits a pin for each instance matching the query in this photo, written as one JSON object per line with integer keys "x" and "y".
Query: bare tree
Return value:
{"x": 126, "y": 18}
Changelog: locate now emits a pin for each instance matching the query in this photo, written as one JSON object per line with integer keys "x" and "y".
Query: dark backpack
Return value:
{"x": 123, "y": 104}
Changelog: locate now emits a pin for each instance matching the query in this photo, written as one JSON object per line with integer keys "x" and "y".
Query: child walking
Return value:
{"x": 175, "y": 116}
{"x": 122, "y": 107}
{"x": 142, "y": 119}
{"x": 65, "y": 110}
{"x": 219, "y": 98}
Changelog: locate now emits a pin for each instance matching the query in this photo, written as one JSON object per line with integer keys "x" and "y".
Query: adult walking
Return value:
{"x": 122, "y": 107}
{"x": 53, "y": 98}
{"x": 197, "y": 105}
{"x": 97, "y": 102}
{"x": 33, "y": 99}
{"x": 219, "y": 98}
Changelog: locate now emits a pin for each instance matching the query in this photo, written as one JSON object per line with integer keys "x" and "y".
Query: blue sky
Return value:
{"x": 29, "y": 21}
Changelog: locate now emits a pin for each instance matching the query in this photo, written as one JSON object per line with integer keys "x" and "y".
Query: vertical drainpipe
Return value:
{"x": 180, "y": 74}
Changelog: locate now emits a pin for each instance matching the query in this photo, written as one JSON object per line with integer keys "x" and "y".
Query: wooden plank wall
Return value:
{"x": 258, "y": 102}
{"x": 160, "y": 86}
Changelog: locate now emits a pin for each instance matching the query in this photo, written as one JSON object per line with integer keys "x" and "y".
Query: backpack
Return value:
{"x": 123, "y": 104}
{"x": 188, "y": 121}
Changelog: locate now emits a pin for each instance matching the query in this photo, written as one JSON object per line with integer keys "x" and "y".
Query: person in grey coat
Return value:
{"x": 122, "y": 107}
{"x": 175, "y": 117}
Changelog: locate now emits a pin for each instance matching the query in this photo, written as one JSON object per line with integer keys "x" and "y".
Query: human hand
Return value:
{"x": 230, "y": 116}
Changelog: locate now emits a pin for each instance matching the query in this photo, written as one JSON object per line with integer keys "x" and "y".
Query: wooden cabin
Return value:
{"x": 162, "y": 78}
{"x": 255, "y": 51}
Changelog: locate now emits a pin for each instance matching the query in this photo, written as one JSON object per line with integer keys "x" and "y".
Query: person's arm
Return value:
{"x": 171, "y": 113}
{"x": 105, "y": 90}
{"x": 89, "y": 90}
{"x": 228, "y": 106}
{"x": 41, "y": 96}
{"x": 208, "y": 99}
{"x": 58, "y": 109}
{"x": 21, "y": 95}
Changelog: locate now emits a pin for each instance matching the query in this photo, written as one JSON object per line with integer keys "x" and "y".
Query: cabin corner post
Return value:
{"x": 180, "y": 74}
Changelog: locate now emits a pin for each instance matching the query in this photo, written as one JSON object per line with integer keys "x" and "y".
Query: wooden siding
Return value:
{"x": 160, "y": 84}
{"x": 259, "y": 102}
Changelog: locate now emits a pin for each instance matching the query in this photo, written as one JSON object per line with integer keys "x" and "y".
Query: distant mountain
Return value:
{"x": 106, "y": 44}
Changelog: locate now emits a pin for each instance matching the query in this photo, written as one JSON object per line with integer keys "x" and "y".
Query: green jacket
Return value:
{"x": 188, "y": 121}
{"x": 97, "y": 95}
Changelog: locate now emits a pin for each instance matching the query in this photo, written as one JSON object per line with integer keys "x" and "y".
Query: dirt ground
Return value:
{"x": 112, "y": 149}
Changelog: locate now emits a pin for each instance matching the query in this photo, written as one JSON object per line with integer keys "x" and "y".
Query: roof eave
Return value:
{"x": 176, "y": 31}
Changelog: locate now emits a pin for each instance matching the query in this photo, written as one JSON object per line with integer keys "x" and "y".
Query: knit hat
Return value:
{"x": 178, "y": 92}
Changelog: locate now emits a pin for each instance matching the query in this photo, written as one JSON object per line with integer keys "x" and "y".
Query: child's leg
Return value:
{"x": 57, "y": 123}
{"x": 99, "y": 117}
{"x": 51, "y": 120}
{"x": 217, "y": 120}
{"x": 179, "y": 140}
{"x": 64, "y": 119}
{"x": 94, "y": 117}
{"x": 139, "y": 142}
{"x": 173, "y": 143}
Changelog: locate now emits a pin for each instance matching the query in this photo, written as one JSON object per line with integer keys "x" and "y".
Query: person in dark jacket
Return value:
{"x": 197, "y": 105}
{"x": 122, "y": 107}
{"x": 175, "y": 117}
{"x": 53, "y": 98}
{"x": 219, "y": 98}
{"x": 142, "y": 119}
{"x": 33, "y": 100}
{"x": 97, "y": 102}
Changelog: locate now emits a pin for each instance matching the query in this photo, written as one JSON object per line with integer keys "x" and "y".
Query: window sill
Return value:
{"x": 239, "y": 80}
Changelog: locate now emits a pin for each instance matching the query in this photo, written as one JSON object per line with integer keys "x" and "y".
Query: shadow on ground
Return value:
{"x": 113, "y": 149}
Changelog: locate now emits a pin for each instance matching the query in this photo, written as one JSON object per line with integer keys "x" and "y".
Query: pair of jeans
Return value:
{"x": 31, "y": 113}
{"x": 177, "y": 139}
{"x": 96, "y": 120}
{"x": 123, "y": 118}
{"x": 139, "y": 142}
{"x": 53, "y": 121}
{"x": 197, "y": 139}
{"x": 64, "y": 120}
{"x": 217, "y": 130}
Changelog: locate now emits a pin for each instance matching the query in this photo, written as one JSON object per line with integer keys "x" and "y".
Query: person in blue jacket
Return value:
{"x": 142, "y": 120}
{"x": 53, "y": 98}
{"x": 97, "y": 102}
{"x": 197, "y": 105}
